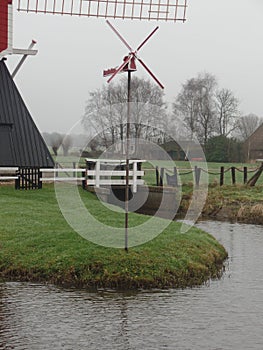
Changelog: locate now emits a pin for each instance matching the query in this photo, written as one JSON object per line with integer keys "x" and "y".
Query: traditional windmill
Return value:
{"x": 21, "y": 144}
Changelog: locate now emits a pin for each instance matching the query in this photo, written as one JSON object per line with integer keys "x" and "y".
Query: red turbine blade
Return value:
{"x": 151, "y": 74}
{"x": 148, "y": 37}
{"x": 126, "y": 61}
{"x": 118, "y": 34}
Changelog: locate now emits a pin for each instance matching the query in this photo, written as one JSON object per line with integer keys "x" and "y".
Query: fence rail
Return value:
{"x": 64, "y": 175}
{"x": 8, "y": 173}
{"x": 4, "y": 178}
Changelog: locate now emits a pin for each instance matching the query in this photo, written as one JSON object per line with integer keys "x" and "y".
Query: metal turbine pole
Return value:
{"x": 129, "y": 66}
{"x": 127, "y": 161}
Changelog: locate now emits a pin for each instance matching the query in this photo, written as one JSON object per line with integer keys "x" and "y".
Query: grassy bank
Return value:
{"x": 233, "y": 203}
{"x": 36, "y": 244}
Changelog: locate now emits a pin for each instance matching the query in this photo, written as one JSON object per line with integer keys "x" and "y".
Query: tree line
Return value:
{"x": 65, "y": 143}
{"x": 201, "y": 110}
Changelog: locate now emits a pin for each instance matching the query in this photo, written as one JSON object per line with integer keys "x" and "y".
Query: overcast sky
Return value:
{"x": 222, "y": 37}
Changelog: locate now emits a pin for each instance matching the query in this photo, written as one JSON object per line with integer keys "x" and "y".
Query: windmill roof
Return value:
{"x": 21, "y": 144}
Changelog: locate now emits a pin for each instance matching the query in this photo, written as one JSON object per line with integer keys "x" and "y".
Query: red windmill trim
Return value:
{"x": 119, "y": 35}
{"x": 148, "y": 37}
{"x": 118, "y": 70}
{"x": 150, "y": 72}
{"x": 132, "y": 56}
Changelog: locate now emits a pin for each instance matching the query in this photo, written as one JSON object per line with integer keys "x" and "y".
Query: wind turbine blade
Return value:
{"x": 118, "y": 70}
{"x": 151, "y": 74}
{"x": 120, "y": 37}
{"x": 148, "y": 37}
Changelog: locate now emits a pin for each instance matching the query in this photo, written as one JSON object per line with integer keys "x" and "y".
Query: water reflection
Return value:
{"x": 224, "y": 314}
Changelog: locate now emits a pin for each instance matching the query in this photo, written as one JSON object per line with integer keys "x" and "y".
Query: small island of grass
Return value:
{"x": 37, "y": 245}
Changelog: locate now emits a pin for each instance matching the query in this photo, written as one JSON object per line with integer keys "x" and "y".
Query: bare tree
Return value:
{"x": 55, "y": 142}
{"x": 226, "y": 111}
{"x": 102, "y": 112}
{"x": 246, "y": 125}
{"x": 195, "y": 104}
{"x": 106, "y": 110}
{"x": 206, "y": 106}
{"x": 185, "y": 107}
{"x": 66, "y": 144}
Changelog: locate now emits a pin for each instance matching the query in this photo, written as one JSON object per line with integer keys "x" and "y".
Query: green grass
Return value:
{"x": 241, "y": 193}
{"x": 36, "y": 244}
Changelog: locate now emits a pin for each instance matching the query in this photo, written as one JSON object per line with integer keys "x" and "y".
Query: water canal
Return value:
{"x": 224, "y": 314}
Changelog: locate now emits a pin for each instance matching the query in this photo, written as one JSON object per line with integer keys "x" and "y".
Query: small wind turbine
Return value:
{"x": 129, "y": 66}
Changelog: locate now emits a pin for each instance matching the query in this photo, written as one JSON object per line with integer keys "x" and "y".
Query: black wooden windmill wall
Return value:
{"x": 21, "y": 144}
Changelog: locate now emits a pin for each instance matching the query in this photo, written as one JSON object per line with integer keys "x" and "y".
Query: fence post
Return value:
{"x": 233, "y": 174}
{"x": 17, "y": 181}
{"x": 134, "y": 180}
{"x": 35, "y": 178}
{"x": 74, "y": 167}
{"x": 222, "y": 173}
{"x": 122, "y": 167}
{"x": 157, "y": 175}
{"x": 83, "y": 174}
{"x": 255, "y": 177}
{"x": 175, "y": 177}
{"x": 245, "y": 175}
{"x": 161, "y": 177}
{"x": 28, "y": 178}
{"x": 139, "y": 165}
{"x": 22, "y": 174}
{"x": 197, "y": 175}
{"x": 39, "y": 177}
{"x": 97, "y": 178}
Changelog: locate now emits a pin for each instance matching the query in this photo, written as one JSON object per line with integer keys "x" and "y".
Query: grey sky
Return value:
{"x": 222, "y": 37}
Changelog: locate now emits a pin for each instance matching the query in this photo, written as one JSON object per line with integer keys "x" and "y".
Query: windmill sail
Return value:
{"x": 159, "y": 10}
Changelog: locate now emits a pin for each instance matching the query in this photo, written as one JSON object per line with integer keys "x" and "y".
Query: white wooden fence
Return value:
{"x": 100, "y": 175}
{"x": 53, "y": 174}
{"x": 105, "y": 172}
{"x": 8, "y": 173}
{"x": 69, "y": 174}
